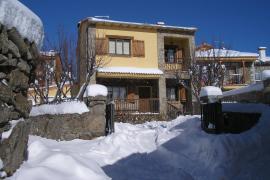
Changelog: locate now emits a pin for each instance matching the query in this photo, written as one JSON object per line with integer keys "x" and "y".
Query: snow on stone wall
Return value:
{"x": 62, "y": 108}
{"x": 96, "y": 90}
{"x": 14, "y": 14}
{"x": 210, "y": 91}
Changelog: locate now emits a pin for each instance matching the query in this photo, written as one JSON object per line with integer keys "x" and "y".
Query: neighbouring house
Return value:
{"x": 241, "y": 68}
{"x": 144, "y": 63}
{"x": 48, "y": 71}
{"x": 262, "y": 63}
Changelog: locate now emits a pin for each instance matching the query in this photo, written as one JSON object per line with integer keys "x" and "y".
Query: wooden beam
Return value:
{"x": 244, "y": 72}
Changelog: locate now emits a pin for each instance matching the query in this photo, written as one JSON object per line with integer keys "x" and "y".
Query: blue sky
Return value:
{"x": 241, "y": 24}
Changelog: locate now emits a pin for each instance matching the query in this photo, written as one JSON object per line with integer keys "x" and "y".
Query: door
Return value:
{"x": 144, "y": 98}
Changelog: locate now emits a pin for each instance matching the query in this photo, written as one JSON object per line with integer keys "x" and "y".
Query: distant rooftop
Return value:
{"x": 139, "y": 25}
{"x": 48, "y": 53}
{"x": 206, "y": 50}
{"x": 224, "y": 53}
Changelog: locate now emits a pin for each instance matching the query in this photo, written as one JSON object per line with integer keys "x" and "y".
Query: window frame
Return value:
{"x": 117, "y": 90}
{"x": 116, "y": 39}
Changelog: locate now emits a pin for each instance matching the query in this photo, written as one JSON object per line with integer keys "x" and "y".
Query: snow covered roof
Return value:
{"x": 224, "y": 53}
{"x": 48, "y": 53}
{"x": 131, "y": 70}
{"x": 134, "y": 24}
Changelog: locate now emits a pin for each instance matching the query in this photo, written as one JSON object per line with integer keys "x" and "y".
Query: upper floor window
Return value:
{"x": 173, "y": 54}
{"x": 119, "y": 46}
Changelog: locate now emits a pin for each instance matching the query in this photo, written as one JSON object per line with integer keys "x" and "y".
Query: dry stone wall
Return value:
{"x": 18, "y": 59}
{"x": 72, "y": 126}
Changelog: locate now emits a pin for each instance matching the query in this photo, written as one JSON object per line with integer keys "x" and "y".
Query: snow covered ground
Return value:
{"x": 178, "y": 149}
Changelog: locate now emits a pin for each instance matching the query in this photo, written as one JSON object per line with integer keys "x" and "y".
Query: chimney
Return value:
{"x": 262, "y": 52}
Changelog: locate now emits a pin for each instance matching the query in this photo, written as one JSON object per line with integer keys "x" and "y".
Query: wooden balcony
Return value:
{"x": 137, "y": 106}
{"x": 234, "y": 79}
{"x": 172, "y": 66}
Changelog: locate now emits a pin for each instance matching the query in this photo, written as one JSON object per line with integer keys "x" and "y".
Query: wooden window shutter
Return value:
{"x": 138, "y": 48}
{"x": 183, "y": 96}
{"x": 179, "y": 55}
{"x": 101, "y": 46}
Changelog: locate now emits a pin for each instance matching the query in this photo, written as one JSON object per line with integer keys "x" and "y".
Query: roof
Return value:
{"x": 94, "y": 20}
{"x": 131, "y": 70}
{"x": 48, "y": 53}
{"x": 224, "y": 53}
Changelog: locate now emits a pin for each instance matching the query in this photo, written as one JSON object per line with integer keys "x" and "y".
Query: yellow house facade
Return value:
{"x": 141, "y": 64}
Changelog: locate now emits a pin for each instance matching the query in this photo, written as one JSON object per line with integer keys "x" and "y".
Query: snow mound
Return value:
{"x": 14, "y": 14}
{"x": 95, "y": 90}
{"x": 265, "y": 74}
{"x": 177, "y": 149}
{"x": 210, "y": 91}
{"x": 62, "y": 108}
{"x": 49, "y": 163}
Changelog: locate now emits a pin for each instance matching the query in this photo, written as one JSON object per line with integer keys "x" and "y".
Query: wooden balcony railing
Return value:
{"x": 233, "y": 79}
{"x": 136, "y": 106}
{"x": 172, "y": 66}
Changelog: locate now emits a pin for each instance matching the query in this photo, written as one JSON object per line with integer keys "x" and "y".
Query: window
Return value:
{"x": 171, "y": 93}
{"x": 117, "y": 92}
{"x": 173, "y": 54}
{"x": 119, "y": 46}
{"x": 170, "y": 55}
{"x": 258, "y": 76}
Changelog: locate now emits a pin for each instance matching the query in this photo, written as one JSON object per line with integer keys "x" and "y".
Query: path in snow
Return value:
{"x": 156, "y": 150}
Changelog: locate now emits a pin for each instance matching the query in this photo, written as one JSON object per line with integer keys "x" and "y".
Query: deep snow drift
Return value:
{"x": 178, "y": 149}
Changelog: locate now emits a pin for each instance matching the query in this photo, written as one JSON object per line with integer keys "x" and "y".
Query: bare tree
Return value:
{"x": 66, "y": 50}
{"x": 207, "y": 68}
{"x": 56, "y": 68}
{"x": 96, "y": 58}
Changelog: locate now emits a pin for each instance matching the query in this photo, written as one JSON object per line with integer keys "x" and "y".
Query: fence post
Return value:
{"x": 109, "y": 129}
{"x": 211, "y": 109}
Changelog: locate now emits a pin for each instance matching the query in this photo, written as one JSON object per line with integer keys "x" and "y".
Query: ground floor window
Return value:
{"x": 117, "y": 92}
{"x": 258, "y": 76}
{"x": 171, "y": 93}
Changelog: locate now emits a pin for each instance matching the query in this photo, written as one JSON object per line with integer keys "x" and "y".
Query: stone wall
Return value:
{"x": 18, "y": 59}
{"x": 72, "y": 126}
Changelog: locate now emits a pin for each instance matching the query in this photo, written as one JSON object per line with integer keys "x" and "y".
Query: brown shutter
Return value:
{"x": 101, "y": 46}
{"x": 138, "y": 48}
{"x": 179, "y": 55}
{"x": 183, "y": 97}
